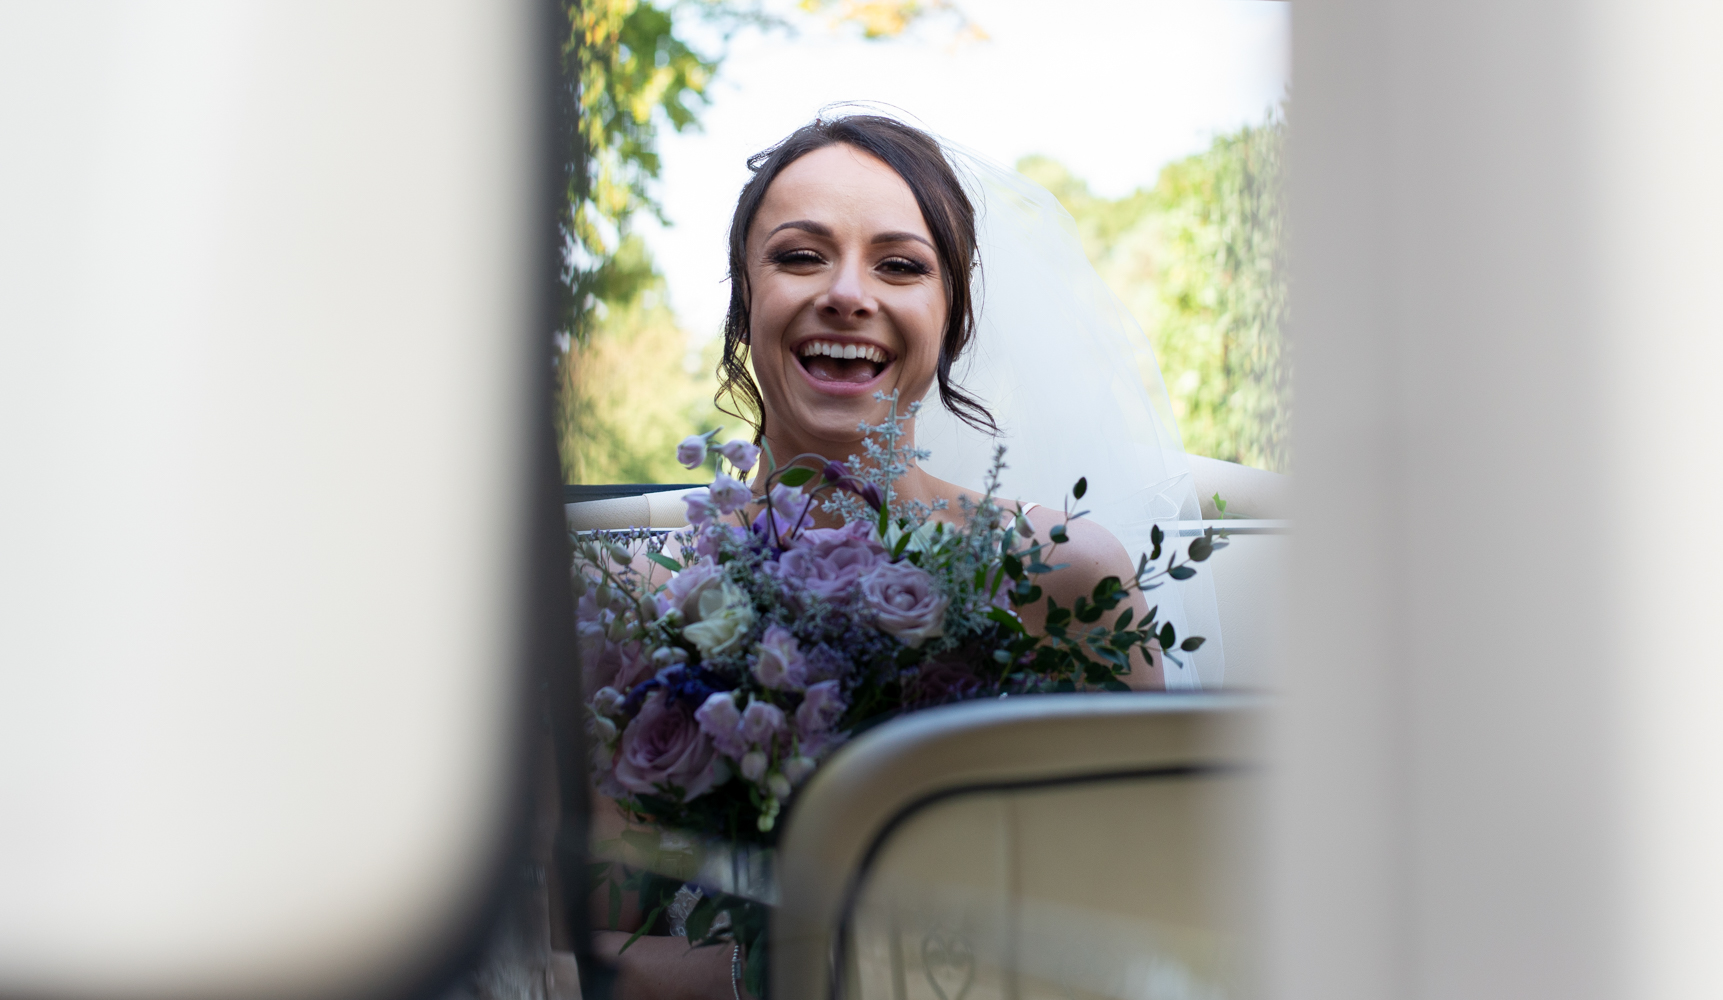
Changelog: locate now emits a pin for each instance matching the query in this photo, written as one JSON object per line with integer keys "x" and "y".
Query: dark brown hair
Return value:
{"x": 919, "y": 160}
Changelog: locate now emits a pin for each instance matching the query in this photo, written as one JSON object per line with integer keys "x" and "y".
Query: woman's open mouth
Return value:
{"x": 839, "y": 365}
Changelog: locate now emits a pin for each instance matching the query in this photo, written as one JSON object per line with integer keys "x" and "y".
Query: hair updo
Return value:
{"x": 950, "y": 217}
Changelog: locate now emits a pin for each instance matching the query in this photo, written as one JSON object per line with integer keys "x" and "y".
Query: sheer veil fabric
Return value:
{"x": 1073, "y": 383}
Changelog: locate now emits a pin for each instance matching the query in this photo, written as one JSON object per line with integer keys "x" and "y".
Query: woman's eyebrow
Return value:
{"x": 805, "y": 225}
{"x": 899, "y": 237}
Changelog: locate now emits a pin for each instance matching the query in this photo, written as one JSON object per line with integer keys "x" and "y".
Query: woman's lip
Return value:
{"x": 796, "y": 348}
{"x": 843, "y": 388}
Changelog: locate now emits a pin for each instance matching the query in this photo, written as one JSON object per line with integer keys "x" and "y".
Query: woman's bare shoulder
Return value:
{"x": 1090, "y": 553}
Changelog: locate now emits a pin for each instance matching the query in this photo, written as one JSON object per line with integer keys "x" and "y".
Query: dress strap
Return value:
{"x": 1031, "y": 505}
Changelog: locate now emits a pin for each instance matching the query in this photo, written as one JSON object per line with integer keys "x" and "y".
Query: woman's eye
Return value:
{"x": 903, "y": 265}
{"x": 793, "y": 258}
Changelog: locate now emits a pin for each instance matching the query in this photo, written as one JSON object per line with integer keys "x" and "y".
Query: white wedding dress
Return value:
{"x": 1073, "y": 383}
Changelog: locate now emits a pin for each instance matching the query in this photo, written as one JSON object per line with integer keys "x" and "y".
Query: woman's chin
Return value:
{"x": 833, "y": 420}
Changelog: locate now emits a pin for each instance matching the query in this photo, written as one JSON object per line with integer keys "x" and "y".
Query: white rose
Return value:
{"x": 725, "y": 618}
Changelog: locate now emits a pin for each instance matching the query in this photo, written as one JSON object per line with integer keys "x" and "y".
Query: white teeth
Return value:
{"x": 843, "y": 351}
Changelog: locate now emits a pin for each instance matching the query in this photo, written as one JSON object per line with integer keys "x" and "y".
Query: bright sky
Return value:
{"x": 1114, "y": 89}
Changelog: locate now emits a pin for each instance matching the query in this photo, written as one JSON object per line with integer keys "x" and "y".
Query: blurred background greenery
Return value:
{"x": 1195, "y": 256}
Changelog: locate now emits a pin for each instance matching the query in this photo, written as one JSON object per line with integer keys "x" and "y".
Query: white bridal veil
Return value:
{"x": 1073, "y": 383}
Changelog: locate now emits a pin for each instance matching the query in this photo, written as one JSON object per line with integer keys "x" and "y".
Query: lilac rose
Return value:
{"x": 665, "y": 746}
{"x": 830, "y": 562}
{"x": 905, "y": 602}
{"x": 779, "y": 663}
{"x": 685, "y": 588}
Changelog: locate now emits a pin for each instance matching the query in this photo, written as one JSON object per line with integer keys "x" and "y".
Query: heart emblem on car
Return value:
{"x": 949, "y": 963}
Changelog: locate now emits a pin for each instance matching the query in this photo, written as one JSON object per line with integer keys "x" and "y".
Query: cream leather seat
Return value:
{"x": 1071, "y": 846}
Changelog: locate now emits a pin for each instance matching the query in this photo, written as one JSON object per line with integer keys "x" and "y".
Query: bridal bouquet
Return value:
{"x": 723, "y": 673}
{"x": 724, "y": 662}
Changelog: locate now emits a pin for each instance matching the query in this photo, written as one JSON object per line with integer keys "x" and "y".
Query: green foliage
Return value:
{"x": 1197, "y": 260}
{"x": 628, "y": 389}
{"x": 624, "y": 74}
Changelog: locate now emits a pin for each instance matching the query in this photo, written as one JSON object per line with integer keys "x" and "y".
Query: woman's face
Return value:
{"x": 847, "y": 296}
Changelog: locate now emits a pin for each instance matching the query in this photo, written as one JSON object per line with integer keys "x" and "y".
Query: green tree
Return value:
{"x": 639, "y": 393}
{"x": 1197, "y": 260}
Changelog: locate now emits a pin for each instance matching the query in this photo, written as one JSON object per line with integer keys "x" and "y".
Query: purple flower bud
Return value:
{"x": 820, "y": 710}
{"x": 834, "y": 472}
{"x": 761, "y": 722}
{"x": 741, "y": 454}
{"x": 700, "y": 508}
{"x": 607, "y": 701}
{"x": 728, "y": 495}
{"x": 692, "y": 451}
{"x": 870, "y": 493}
{"x": 798, "y": 768}
{"x": 790, "y": 513}
{"x": 720, "y": 720}
{"x": 753, "y": 765}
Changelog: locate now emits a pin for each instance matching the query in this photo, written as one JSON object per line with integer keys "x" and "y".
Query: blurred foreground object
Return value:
{"x": 1094, "y": 845}
{"x": 1504, "y": 782}
{"x": 274, "y": 293}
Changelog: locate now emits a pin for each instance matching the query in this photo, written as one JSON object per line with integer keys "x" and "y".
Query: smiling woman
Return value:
{"x": 851, "y": 233}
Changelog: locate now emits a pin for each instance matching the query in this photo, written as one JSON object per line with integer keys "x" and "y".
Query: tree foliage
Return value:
{"x": 1198, "y": 260}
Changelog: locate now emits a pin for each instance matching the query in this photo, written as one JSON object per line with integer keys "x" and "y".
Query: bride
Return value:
{"x": 853, "y": 254}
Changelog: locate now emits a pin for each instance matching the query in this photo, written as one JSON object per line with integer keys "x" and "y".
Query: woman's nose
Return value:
{"x": 847, "y": 299}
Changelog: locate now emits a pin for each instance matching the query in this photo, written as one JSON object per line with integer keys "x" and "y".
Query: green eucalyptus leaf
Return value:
{"x": 699, "y": 922}
{"x": 645, "y": 926}
{"x": 796, "y": 476}
{"x": 1191, "y": 644}
{"x": 1114, "y": 684}
{"x": 1168, "y": 636}
{"x": 1006, "y": 619}
{"x": 1013, "y": 567}
{"x": 1181, "y": 572}
{"x": 1201, "y": 548}
{"x": 754, "y": 976}
{"x": 1057, "y": 533}
{"x": 1124, "y": 621}
{"x": 665, "y": 561}
{"x": 1081, "y": 488}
